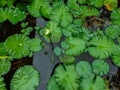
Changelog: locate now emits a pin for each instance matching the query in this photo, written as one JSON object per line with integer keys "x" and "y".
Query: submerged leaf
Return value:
{"x": 25, "y": 78}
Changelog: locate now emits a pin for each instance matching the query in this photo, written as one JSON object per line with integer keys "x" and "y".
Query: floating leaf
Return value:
{"x": 76, "y": 46}
{"x": 100, "y": 67}
{"x": 61, "y": 15}
{"x": 116, "y": 56}
{"x": 84, "y": 69}
{"x": 96, "y": 3}
{"x": 101, "y": 47}
{"x": 17, "y": 46}
{"x": 66, "y": 77}
{"x": 52, "y": 84}
{"x": 5, "y": 66}
{"x": 2, "y": 84}
{"x": 97, "y": 84}
{"x": 110, "y": 4}
{"x": 82, "y": 12}
{"x": 115, "y": 18}
{"x": 14, "y": 15}
{"x": 112, "y": 31}
{"x": 37, "y": 8}
{"x": 52, "y": 31}
{"x": 35, "y": 44}
{"x": 25, "y": 78}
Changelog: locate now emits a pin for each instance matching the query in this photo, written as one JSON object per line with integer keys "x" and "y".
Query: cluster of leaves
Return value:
{"x": 81, "y": 76}
{"x": 16, "y": 47}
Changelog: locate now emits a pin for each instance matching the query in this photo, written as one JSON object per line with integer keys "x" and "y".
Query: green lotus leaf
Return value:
{"x": 75, "y": 46}
{"x": 115, "y": 16}
{"x": 66, "y": 77}
{"x": 5, "y": 66}
{"x": 101, "y": 47}
{"x": 112, "y": 31}
{"x": 14, "y": 15}
{"x": 84, "y": 69}
{"x": 25, "y": 78}
{"x": 52, "y": 31}
{"x": 82, "y": 12}
{"x": 2, "y": 84}
{"x": 97, "y": 84}
{"x": 38, "y": 8}
{"x": 110, "y": 4}
{"x": 61, "y": 14}
{"x": 17, "y": 46}
{"x": 100, "y": 67}
{"x": 35, "y": 44}
{"x": 52, "y": 84}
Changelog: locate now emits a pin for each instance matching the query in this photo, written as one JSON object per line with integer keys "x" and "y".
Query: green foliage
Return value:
{"x": 5, "y": 66}
{"x": 52, "y": 32}
{"x": 66, "y": 77}
{"x": 110, "y": 4}
{"x": 3, "y": 3}
{"x": 67, "y": 59}
{"x": 96, "y": 3}
{"x": 2, "y": 84}
{"x": 25, "y": 78}
{"x": 84, "y": 69}
{"x": 52, "y": 84}
{"x": 116, "y": 56}
{"x": 82, "y": 12}
{"x": 101, "y": 47}
{"x": 97, "y": 84}
{"x": 35, "y": 44}
{"x": 61, "y": 14}
{"x": 73, "y": 46}
{"x": 100, "y": 67}
{"x": 14, "y": 15}
{"x": 112, "y": 31}
{"x": 115, "y": 16}
{"x": 19, "y": 45}
{"x": 10, "y": 3}
{"x": 38, "y": 8}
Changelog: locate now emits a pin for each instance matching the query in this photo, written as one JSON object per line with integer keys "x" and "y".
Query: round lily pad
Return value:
{"x": 25, "y": 78}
